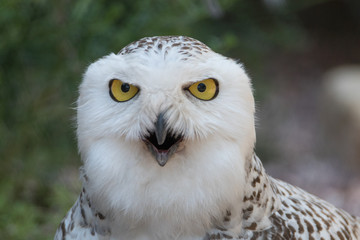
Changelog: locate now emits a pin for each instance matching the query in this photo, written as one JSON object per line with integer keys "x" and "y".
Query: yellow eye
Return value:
{"x": 122, "y": 92}
{"x": 205, "y": 90}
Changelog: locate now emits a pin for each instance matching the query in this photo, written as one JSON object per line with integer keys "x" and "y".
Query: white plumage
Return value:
{"x": 166, "y": 133}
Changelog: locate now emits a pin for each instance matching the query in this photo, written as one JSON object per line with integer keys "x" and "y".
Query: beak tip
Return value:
{"x": 162, "y": 159}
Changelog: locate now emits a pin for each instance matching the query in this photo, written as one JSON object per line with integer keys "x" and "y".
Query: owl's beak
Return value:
{"x": 162, "y": 144}
{"x": 160, "y": 129}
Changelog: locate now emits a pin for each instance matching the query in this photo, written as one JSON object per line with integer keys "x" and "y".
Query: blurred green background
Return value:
{"x": 45, "y": 47}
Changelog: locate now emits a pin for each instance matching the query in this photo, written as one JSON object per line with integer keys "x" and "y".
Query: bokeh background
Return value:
{"x": 303, "y": 57}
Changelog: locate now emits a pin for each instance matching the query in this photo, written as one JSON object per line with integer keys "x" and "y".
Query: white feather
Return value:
{"x": 202, "y": 179}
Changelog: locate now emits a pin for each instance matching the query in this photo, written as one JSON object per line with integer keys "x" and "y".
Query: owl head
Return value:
{"x": 161, "y": 111}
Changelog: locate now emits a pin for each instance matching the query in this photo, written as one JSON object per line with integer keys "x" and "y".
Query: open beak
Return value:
{"x": 161, "y": 143}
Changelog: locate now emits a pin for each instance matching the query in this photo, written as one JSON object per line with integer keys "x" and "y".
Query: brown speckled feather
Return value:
{"x": 291, "y": 212}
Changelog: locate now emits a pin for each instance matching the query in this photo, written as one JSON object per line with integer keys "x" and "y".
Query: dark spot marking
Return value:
{"x": 294, "y": 200}
{"x": 309, "y": 213}
{"x": 296, "y": 209}
{"x": 63, "y": 231}
{"x": 227, "y": 236}
{"x": 102, "y": 217}
{"x": 228, "y": 213}
{"x": 247, "y": 212}
{"x": 256, "y": 180}
{"x": 301, "y": 227}
{"x": 221, "y": 228}
{"x": 318, "y": 225}
{"x": 82, "y": 211}
{"x": 292, "y": 229}
{"x": 86, "y": 178}
{"x": 252, "y": 226}
{"x": 258, "y": 195}
{"x": 346, "y": 232}
{"x": 88, "y": 201}
{"x": 310, "y": 228}
{"x": 340, "y": 235}
{"x": 255, "y": 236}
{"x": 226, "y": 219}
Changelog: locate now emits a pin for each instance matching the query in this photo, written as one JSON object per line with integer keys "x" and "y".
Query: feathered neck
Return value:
{"x": 260, "y": 198}
{"x": 258, "y": 204}
{"x": 253, "y": 210}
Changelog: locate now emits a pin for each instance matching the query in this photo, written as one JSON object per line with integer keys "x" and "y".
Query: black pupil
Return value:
{"x": 125, "y": 87}
{"x": 201, "y": 87}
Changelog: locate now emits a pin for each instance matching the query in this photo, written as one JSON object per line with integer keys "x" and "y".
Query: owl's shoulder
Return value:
{"x": 83, "y": 222}
{"x": 273, "y": 209}
{"x": 302, "y": 215}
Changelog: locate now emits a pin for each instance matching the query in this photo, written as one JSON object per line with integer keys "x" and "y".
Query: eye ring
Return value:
{"x": 121, "y": 91}
{"x": 204, "y": 90}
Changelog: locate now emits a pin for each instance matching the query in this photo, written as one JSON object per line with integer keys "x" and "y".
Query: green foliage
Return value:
{"x": 45, "y": 47}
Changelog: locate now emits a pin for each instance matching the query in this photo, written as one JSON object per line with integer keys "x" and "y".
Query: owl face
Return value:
{"x": 164, "y": 121}
{"x": 165, "y": 94}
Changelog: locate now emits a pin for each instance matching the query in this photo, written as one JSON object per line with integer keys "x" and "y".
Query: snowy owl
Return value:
{"x": 166, "y": 134}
